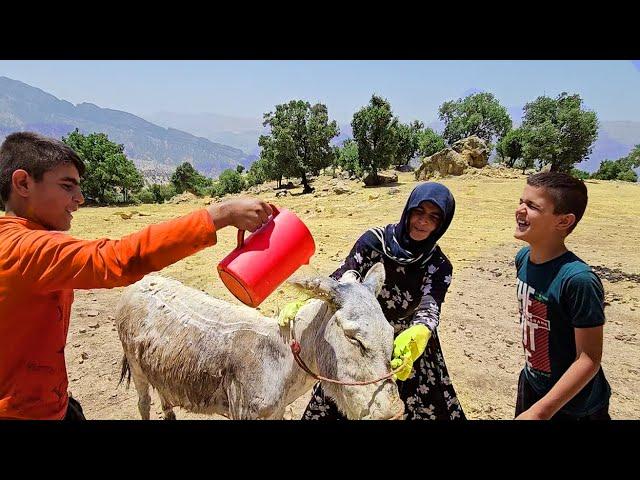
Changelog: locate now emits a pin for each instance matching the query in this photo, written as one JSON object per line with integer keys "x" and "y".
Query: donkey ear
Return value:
{"x": 350, "y": 276}
{"x": 374, "y": 279}
{"x": 324, "y": 287}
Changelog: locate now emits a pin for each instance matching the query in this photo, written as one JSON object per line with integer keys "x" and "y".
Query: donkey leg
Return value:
{"x": 142, "y": 387}
{"x": 167, "y": 408}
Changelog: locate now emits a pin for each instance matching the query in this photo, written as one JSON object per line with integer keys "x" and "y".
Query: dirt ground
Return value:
{"x": 479, "y": 326}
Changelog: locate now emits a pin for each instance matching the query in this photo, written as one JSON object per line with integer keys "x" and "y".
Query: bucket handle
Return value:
{"x": 241, "y": 232}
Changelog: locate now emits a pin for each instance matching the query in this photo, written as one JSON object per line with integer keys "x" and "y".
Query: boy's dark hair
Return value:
{"x": 569, "y": 194}
{"x": 34, "y": 153}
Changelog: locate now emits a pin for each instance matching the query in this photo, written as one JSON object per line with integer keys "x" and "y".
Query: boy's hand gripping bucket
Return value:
{"x": 267, "y": 257}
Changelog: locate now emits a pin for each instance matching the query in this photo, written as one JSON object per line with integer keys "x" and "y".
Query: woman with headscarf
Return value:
{"x": 418, "y": 275}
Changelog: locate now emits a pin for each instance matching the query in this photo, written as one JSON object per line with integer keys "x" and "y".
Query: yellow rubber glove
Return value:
{"x": 289, "y": 312}
{"x": 406, "y": 371}
{"x": 407, "y": 347}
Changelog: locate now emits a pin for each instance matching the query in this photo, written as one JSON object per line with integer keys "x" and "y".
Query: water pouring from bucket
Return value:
{"x": 267, "y": 257}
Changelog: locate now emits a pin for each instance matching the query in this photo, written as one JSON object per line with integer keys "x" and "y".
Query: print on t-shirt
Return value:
{"x": 535, "y": 328}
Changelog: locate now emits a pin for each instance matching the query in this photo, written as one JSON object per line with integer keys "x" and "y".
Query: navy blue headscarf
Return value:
{"x": 394, "y": 241}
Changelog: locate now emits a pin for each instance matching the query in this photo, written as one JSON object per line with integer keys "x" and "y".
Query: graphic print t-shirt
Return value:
{"x": 554, "y": 298}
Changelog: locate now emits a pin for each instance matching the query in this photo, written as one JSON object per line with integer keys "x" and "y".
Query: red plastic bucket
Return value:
{"x": 267, "y": 257}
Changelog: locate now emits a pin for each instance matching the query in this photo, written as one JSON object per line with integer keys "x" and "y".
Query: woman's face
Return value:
{"x": 423, "y": 220}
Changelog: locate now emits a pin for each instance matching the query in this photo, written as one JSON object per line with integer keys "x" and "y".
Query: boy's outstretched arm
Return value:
{"x": 581, "y": 371}
{"x": 244, "y": 214}
{"x": 51, "y": 261}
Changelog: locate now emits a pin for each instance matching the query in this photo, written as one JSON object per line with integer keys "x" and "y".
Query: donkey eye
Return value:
{"x": 357, "y": 342}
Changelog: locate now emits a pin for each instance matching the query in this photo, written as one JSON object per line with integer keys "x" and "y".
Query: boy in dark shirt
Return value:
{"x": 561, "y": 304}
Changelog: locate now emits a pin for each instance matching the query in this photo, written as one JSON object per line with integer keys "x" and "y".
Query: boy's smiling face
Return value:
{"x": 535, "y": 217}
{"x": 52, "y": 201}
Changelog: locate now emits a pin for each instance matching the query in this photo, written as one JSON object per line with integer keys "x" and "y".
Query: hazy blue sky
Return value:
{"x": 250, "y": 88}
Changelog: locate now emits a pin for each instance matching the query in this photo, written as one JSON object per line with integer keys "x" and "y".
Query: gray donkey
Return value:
{"x": 209, "y": 356}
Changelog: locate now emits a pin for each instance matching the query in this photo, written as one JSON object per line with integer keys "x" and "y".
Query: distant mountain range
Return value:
{"x": 238, "y": 132}
{"x": 154, "y": 149}
{"x": 214, "y": 142}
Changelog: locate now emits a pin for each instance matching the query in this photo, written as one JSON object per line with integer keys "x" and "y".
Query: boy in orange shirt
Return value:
{"x": 40, "y": 266}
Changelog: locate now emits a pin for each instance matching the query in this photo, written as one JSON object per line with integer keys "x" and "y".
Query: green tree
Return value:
{"x": 230, "y": 181}
{"x": 188, "y": 179}
{"x": 407, "y": 137}
{"x": 108, "y": 170}
{"x": 628, "y": 176}
{"x": 298, "y": 144}
{"x": 429, "y": 142}
{"x": 608, "y": 170}
{"x": 615, "y": 170}
{"x": 259, "y": 172}
{"x": 581, "y": 174}
{"x": 347, "y": 157}
{"x": 271, "y": 161}
{"x": 240, "y": 168}
{"x": 633, "y": 159}
{"x": 162, "y": 192}
{"x": 126, "y": 176}
{"x": 375, "y": 132}
{"x": 480, "y": 114}
{"x": 144, "y": 196}
{"x": 621, "y": 169}
{"x": 558, "y": 131}
{"x": 510, "y": 149}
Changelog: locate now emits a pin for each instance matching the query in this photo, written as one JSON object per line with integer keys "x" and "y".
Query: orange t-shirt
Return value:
{"x": 39, "y": 270}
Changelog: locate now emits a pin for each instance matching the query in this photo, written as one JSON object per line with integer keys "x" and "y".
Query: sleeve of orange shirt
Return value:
{"x": 55, "y": 261}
